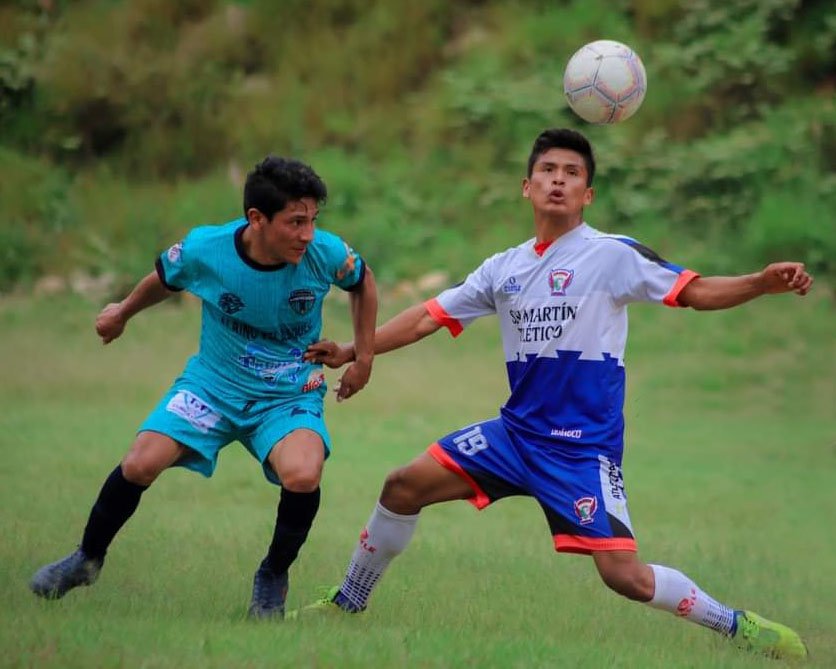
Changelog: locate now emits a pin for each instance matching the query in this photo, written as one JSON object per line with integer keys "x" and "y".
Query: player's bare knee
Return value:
{"x": 139, "y": 469}
{"x": 301, "y": 480}
{"x": 398, "y": 494}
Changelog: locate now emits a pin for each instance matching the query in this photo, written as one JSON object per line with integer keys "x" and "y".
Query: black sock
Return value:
{"x": 116, "y": 503}
{"x": 295, "y": 516}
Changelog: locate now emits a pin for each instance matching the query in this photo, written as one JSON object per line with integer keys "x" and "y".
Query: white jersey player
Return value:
{"x": 561, "y": 299}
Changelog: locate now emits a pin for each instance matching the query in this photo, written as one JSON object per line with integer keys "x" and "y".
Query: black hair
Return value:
{"x": 276, "y": 181}
{"x": 563, "y": 138}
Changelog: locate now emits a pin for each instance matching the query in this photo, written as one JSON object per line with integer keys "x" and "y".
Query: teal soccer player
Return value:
{"x": 262, "y": 280}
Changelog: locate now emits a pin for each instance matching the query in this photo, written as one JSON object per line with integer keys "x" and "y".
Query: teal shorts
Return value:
{"x": 205, "y": 422}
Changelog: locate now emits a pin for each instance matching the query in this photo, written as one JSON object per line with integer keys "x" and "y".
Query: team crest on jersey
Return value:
{"x": 302, "y": 301}
{"x": 585, "y": 509}
{"x": 230, "y": 303}
{"x": 559, "y": 280}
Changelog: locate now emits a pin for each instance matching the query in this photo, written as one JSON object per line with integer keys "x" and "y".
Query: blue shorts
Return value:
{"x": 205, "y": 422}
{"x": 580, "y": 488}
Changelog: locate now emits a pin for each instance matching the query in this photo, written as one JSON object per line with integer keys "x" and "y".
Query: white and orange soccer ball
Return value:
{"x": 604, "y": 82}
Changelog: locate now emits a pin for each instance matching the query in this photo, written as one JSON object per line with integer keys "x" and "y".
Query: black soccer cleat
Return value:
{"x": 269, "y": 594}
{"x": 55, "y": 580}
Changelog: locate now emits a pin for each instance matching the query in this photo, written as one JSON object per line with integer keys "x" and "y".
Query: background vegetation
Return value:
{"x": 124, "y": 123}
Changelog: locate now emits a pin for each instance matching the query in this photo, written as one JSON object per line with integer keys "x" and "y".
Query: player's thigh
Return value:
{"x": 297, "y": 459}
{"x": 420, "y": 483}
{"x": 150, "y": 454}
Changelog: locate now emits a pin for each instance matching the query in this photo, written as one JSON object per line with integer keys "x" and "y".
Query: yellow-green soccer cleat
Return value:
{"x": 325, "y": 605}
{"x": 760, "y": 635}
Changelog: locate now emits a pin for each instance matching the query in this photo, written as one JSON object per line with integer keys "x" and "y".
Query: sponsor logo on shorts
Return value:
{"x": 585, "y": 509}
{"x": 200, "y": 415}
{"x": 302, "y": 301}
{"x": 563, "y": 432}
{"x": 560, "y": 280}
{"x": 612, "y": 490}
{"x": 230, "y": 303}
{"x": 511, "y": 286}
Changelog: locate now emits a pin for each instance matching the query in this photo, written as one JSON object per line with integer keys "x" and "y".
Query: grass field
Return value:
{"x": 730, "y": 467}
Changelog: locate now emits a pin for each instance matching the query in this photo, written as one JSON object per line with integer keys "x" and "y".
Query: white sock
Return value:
{"x": 382, "y": 540}
{"x": 678, "y": 594}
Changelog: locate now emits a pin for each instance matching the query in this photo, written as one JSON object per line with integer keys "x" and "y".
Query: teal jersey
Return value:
{"x": 257, "y": 321}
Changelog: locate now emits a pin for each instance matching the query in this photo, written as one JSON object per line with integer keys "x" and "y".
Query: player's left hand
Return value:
{"x": 353, "y": 380}
{"x": 785, "y": 277}
{"x": 328, "y": 353}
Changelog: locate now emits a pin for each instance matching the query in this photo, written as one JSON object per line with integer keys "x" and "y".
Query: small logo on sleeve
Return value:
{"x": 511, "y": 286}
{"x": 560, "y": 280}
{"x": 175, "y": 252}
{"x": 348, "y": 266}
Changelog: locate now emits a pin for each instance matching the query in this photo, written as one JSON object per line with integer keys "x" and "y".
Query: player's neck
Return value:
{"x": 549, "y": 228}
{"x": 255, "y": 251}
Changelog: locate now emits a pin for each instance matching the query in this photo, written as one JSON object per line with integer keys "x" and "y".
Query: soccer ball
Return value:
{"x": 604, "y": 82}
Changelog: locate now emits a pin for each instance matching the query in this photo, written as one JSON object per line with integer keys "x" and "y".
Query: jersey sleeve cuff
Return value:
{"x": 158, "y": 265}
{"x": 440, "y": 316}
{"x": 686, "y": 277}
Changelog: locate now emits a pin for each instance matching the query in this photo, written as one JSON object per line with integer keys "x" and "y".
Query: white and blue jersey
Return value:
{"x": 563, "y": 318}
{"x": 257, "y": 320}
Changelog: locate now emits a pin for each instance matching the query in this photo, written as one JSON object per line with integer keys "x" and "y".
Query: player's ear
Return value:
{"x": 588, "y": 196}
{"x": 526, "y": 188}
{"x": 256, "y": 218}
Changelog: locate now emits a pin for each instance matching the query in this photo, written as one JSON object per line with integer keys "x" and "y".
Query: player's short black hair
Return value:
{"x": 563, "y": 138}
{"x": 276, "y": 181}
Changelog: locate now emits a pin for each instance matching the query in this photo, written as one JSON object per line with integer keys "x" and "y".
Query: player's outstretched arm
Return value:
{"x": 364, "y": 317}
{"x": 411, "y": 325}
{"x": 723, "y": 292}
{"x": 111, "y": 321}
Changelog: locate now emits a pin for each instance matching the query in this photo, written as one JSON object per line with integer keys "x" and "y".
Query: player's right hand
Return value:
{"x": 328, "y": 353}
{"x": 110, "y": 323}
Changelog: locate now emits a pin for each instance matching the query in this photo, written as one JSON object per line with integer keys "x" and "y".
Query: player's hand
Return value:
{"x": 110, "y": 323}
{"x": 328, "y": 353}
{"x": 785, "y": 277}
{"x": 354, "y": 379}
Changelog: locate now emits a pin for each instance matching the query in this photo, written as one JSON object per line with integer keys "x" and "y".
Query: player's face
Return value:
{"x": 286, "y": 236}
{"x": 557, "y": 185}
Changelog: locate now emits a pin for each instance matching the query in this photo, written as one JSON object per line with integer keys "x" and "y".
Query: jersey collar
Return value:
{"x": 239, "y": 247}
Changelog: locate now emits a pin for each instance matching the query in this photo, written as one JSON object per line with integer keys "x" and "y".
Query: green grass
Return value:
{"x": 730, "y": 466}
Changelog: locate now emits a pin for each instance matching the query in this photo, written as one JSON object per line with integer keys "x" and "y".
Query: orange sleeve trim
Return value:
{"x": 480, "y": 500}
{"x": 567, "y": 543}
{"x": 440, "y": 316}
{"x": 684, "y": 279}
